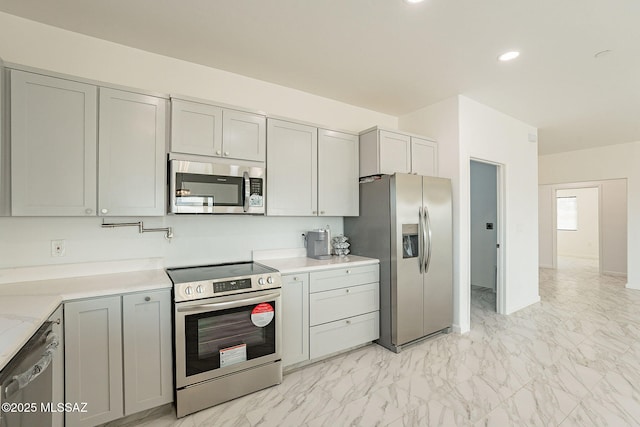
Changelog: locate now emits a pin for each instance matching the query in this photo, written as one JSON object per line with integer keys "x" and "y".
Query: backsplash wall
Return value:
{"x": 197, "y": 239}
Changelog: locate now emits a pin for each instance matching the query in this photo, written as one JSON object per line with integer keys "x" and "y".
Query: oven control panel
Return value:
{"x": 215, "y": 288}
{"x": 231, "y": 285}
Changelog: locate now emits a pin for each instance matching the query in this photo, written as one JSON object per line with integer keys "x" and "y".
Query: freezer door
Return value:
{"x": 407, "y": 291}
{"x": 438, "y": 259}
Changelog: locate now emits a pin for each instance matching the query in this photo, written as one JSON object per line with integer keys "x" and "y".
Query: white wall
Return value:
{"x": 604, "y": 163}
{"x": 30, "y": 43}
{"x": 468, "y": 130}
{"x": 584, "y": 241}
{"x": 26, "y": 241}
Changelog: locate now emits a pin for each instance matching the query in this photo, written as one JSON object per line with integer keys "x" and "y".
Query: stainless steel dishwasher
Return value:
{"x": 31, "y": 385}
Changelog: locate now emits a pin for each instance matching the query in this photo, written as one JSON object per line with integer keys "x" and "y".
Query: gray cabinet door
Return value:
{"x": 424, "y": 157}
{"x": 196, "y": 128}
{"x": 337, "y": 174}
{"x": 148, "y": 375}
{"x": 93, "y": 360}
{"x": 295, "y": 318}
{"x": 292, "y": 169}
{"x": 132, "y": 171}
{"x": 244, "y": 135}
{"x": 53, "y": 146}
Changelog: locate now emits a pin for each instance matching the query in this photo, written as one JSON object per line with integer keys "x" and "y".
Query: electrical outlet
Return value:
{"x": 58, "y": 247}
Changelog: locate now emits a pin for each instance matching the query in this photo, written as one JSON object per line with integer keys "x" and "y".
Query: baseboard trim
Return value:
{"x": 511, "y": 310}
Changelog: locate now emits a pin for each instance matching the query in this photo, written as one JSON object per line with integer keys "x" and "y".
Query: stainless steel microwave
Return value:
{"x": 215, "y": 188}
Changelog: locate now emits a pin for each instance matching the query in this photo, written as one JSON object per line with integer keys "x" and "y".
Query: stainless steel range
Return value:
{"x": 227, "y": 333}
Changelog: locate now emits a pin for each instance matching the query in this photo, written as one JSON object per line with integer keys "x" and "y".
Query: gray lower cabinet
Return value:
{"x": 329, "y": 311}
{"x": 344, "y": 307}
{"x": 148, "y": 364}
{"x": 295, "y": 318}
{"x": 93, "y": 360}
{"x": 117, "y": 355}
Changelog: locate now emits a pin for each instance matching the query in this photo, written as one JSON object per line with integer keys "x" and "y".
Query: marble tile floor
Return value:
{"x": 571, "y": 360}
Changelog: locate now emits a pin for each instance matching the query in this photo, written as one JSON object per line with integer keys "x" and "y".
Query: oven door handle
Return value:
{"x": 217, "y": 306}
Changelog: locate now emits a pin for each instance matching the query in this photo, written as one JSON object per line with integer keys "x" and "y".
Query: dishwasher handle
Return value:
{"x": 20, "y": 381}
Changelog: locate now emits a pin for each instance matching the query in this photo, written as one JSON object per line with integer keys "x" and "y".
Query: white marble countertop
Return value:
{"x": 295, "y": 261}
{"x": 24, "y": 306}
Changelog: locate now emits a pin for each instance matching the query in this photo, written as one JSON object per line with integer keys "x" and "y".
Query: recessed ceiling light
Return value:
{"x": 508, "y": 56}
{"x": 413, "y": 1}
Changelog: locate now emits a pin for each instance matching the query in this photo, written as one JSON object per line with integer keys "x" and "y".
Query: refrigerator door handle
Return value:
{"x": 421, "y": 241}
{"x": 427, "y": 228}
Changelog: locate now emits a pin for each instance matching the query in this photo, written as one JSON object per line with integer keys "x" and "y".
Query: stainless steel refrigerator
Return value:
{"x": 406, "y": 222}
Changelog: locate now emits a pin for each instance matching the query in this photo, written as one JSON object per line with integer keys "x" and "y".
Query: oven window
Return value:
{"x": 223, "y": 190}
{"x": 222, "y": 338}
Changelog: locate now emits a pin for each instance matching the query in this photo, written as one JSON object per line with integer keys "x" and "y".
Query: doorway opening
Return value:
{"x": 486, "y": 228}
{"x": 607, "y": 252}
{"x": 578, "y": 228}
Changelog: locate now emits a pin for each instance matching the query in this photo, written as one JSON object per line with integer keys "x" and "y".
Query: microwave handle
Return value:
{"x": 247, "y": 191}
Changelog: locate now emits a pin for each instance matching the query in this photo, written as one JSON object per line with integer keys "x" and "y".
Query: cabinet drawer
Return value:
{"x": 343, "y": 277}
{"x": 342, "y": 303}
{"x": 343, "y": 334}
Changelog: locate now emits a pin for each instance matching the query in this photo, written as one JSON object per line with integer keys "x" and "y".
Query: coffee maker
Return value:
{"x": 318, "y": 243}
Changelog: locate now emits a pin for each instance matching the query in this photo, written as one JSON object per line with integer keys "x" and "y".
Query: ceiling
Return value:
{"x": 393, "y": 57}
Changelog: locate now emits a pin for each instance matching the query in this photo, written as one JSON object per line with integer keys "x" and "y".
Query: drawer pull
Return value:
{"x": 347, "y": 290}
{"x": 348, "y": 271}
{"x": 348, "y": 322}
{"x": 147, "y": 299}
{"x": 295, "y": 279}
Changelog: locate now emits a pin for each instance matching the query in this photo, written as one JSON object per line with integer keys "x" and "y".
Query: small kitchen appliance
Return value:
{"x": 227, "y": 332}
{"x": 318, "y": 243}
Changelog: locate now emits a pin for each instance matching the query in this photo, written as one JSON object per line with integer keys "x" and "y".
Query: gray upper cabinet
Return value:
{"x": 388, "y": 152}
{"x": 292, "y": 169}
{"x": 132, "y": 166}
{"x": 424, "y": 157}
{"x": 53, "y": 146}
{"x": 244, "y": 135}
{"x": 337, "y": 174}
{"x": 208, "y": 130}
{"x": 311, "y": 171}
{"x": 196, "y": 128}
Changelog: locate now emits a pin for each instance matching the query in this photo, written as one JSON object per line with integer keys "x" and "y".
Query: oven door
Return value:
{"x": 218, "y": 336}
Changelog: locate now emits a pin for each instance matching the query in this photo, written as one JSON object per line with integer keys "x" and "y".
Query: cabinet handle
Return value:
{"x": 88, "y": 211}
{"x": 104, "y": 211}
{"x": 295, "y": 279}
{"x": 147, "y": 299}
{"x": 314, "y": 212}
{"x": 226, "y": 153}
{"x": 348, "y": 322}
{"x": 321, "y": 212}
{"x": 348, "y": 271}
{"x": 347, "y": 290}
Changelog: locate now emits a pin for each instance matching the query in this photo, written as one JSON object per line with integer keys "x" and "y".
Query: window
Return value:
{"x": 567, "y": 213}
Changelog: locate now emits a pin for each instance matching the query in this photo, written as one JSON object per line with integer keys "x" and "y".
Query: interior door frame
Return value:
{"x": 501, "y": 291}
{"x": 554, "y": 222}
